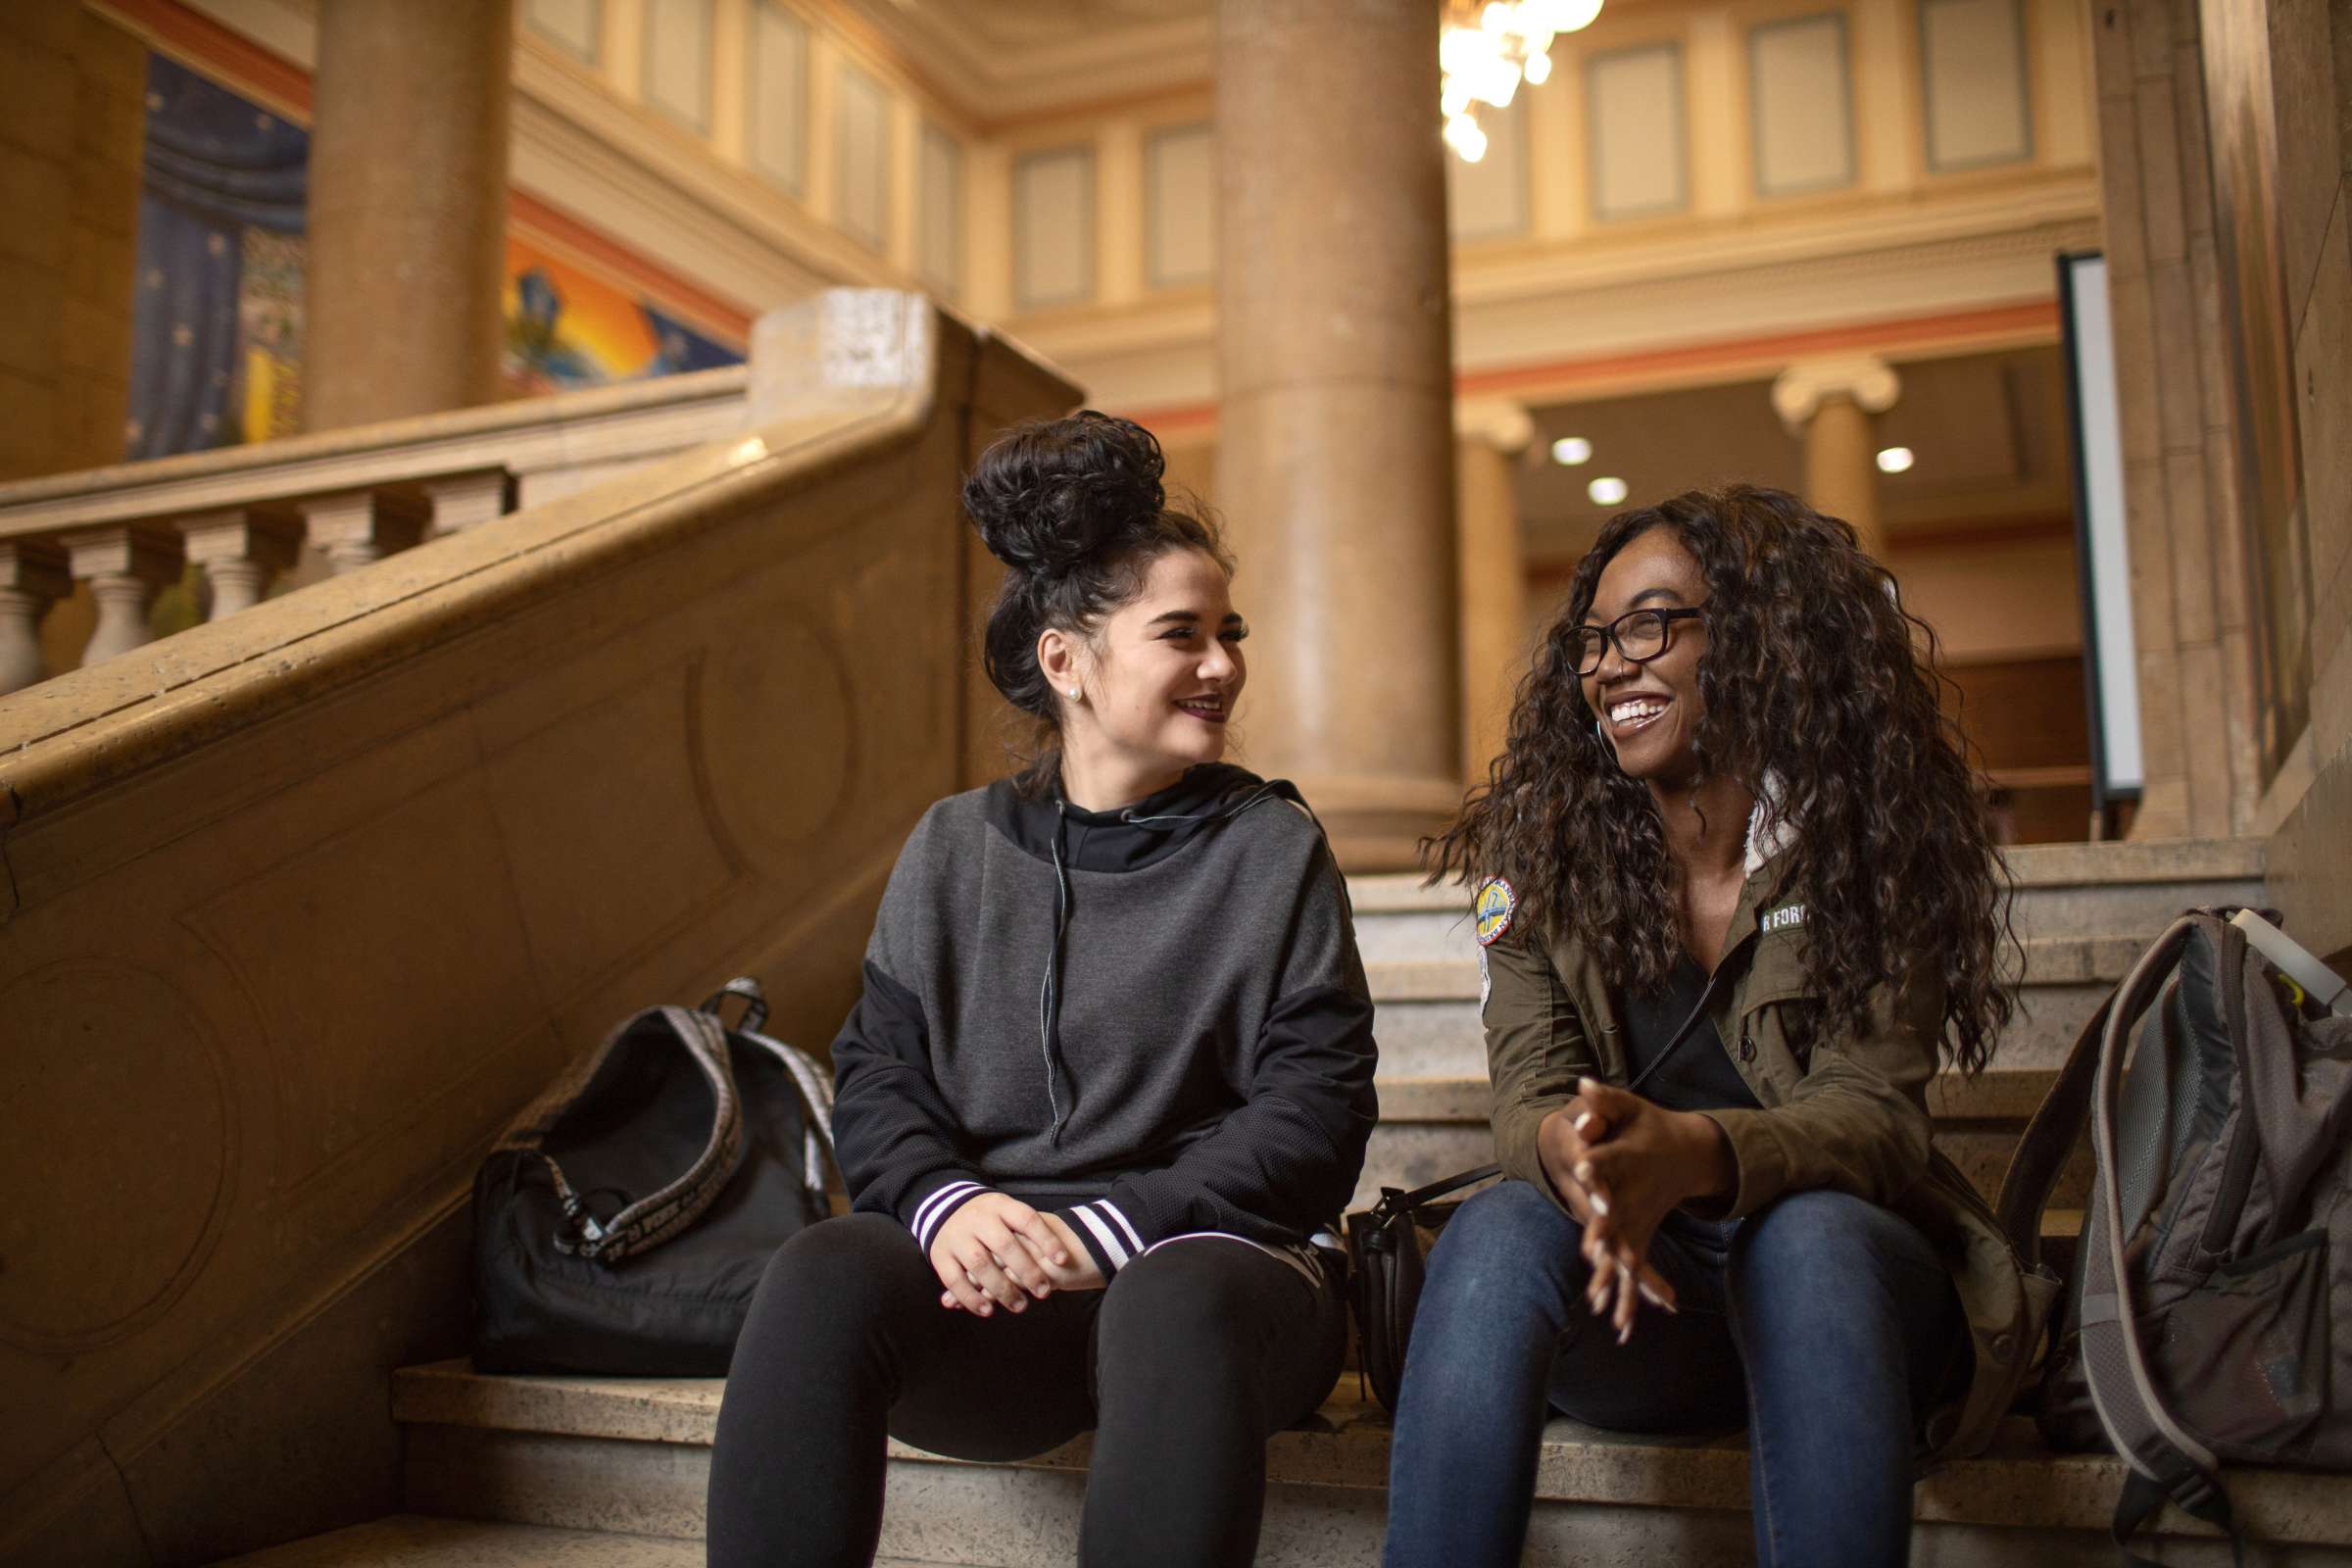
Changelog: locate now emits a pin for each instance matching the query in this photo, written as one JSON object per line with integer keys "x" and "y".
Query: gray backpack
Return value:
{"x": 2208, "y": 1314}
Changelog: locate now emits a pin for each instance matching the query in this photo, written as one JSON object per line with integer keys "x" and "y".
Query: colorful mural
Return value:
{"x": 217, "y": 355}
{"x": 569, "y": 327}
{"x": 217, "y": 322}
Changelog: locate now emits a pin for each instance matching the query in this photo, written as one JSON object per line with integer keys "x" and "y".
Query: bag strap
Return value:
{"x": 655, "y": 1218}
{"x": 816, "y": 1094}
{"x": 809, "y": 1077}
{"x": 2048, "y": 1140}
{"x": 1393, "y": 1202}
{"x": 2147, "y": 1435}
{"x": 1706, "y": 1000}
{"x": 754, "y": 1003}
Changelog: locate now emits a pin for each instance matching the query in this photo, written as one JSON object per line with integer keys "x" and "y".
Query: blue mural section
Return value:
{"x": 220, "y": 269}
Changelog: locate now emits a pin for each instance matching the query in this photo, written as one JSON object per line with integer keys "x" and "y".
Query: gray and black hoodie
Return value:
{"x": 1151, "y": 1021}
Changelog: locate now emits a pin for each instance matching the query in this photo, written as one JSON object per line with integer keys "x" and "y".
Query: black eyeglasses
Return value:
{"x": 1640, "y": 635}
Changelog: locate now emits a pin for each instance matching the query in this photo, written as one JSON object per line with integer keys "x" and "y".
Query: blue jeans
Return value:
{"x": 1824, "y": 1324}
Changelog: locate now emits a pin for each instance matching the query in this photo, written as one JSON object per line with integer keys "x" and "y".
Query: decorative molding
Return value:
{"x": 1007, "y": 62}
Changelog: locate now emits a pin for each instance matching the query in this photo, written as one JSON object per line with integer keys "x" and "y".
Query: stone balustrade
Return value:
{"x": 245, "y": 515}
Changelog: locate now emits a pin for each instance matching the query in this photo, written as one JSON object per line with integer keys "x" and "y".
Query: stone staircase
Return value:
{"x": 590, "y": 1471}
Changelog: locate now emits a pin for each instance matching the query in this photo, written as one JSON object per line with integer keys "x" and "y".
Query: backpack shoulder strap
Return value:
{"x": 2048, "y": 1139}
{"x": 2147, "y": 1435}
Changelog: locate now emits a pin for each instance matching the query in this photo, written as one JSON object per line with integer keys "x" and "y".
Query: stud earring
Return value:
{"x": 1073, "y": 694}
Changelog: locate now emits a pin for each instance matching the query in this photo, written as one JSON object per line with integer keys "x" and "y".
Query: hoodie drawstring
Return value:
{"x": 1049, "y": 993}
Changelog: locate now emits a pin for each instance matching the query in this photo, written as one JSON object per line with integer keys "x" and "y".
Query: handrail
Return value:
{"x": 161, "y": 484}
{"x": 243, "y": 513}
{"x": 80, "y": 730}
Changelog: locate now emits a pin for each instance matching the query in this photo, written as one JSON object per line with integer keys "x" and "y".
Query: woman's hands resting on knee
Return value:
{"x": 997, "y": 1250}
{"x": 1620, "y": 1162}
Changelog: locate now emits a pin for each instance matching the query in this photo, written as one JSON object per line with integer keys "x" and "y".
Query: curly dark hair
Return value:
{"x": 1814, "y": 675}
{"x": 1077, "y": 511}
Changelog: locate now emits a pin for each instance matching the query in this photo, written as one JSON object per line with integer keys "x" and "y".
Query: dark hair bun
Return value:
{"x": 1050, "y": 495}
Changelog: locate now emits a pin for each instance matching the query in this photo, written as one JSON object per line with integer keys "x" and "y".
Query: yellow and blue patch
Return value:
{"x": 1497, "y": 903}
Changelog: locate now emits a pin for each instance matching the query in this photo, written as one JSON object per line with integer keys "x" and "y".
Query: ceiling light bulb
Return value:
{"x": 1574, "y": 15}
{"x": 1606, "y": 491}
{"x": 1570, "y": 450}
{"x": 1537, "y": 68}
{"x": 1896, "y": 460}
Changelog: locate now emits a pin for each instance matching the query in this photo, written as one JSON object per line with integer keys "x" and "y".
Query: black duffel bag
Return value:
{"x": 621, "y": 1223}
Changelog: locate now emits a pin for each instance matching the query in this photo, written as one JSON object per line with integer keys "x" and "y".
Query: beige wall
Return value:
{"x": 71, "y": 125}
{"x": 71, "y": 131}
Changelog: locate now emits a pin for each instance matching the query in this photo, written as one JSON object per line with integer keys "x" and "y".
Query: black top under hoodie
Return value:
{"x": 1151, "y": 1021}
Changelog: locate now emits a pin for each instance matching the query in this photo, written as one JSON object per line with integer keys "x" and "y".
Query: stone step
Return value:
{"x": 1432, "y": 1127}
{"x": 633, "y": 1455}
{"x": 2063, "y": 890}
{"x": 418, "y": 1540}
{"x": 1426, "y": 1011}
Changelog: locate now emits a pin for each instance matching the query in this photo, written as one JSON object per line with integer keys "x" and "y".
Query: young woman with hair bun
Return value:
{"x": 1737, "y": 905}
{"x": 1109, "y": 1080}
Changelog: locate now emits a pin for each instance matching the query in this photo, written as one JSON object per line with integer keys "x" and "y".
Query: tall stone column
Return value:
{"x": 408, "y": 209}
{"x": 1489, "y": 437}
{"x": 1335, "y": 391}
{"x": 1833, "y": 406}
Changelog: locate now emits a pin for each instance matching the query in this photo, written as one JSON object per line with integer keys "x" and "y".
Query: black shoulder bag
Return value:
{"x": 1389, "y": 1243}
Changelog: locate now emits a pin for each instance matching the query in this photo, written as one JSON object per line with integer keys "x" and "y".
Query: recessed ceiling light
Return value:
{"x": 1896, "y": 460}
{"x": 1570, "y": 450}
{"x": 1606, "y": 491}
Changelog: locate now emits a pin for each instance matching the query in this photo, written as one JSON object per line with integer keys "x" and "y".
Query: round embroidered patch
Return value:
{"x": 1497, "y": 904}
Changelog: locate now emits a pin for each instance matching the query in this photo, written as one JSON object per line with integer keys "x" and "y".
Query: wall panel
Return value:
{"x": 1800, "y": 104}
{"x": 1636, "y": 134}
{"x": 1054, "y": 227}
{"x": 1973, "y": 67}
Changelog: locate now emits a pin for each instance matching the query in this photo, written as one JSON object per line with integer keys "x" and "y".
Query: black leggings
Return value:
{"x": 1194, "y": 1355}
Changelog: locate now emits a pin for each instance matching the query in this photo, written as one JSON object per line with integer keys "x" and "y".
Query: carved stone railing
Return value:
{"x": 298, "y": 907}
{"x": 243, "y": 513}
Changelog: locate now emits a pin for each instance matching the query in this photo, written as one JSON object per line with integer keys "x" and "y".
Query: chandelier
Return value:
{"x": 1486, "y": 51}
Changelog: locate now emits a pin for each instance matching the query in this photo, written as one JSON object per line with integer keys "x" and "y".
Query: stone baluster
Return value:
{"x": 32, "y": 577}
{"x": 462, "y": 501}
{"x": 239, "y": 550}
{"x": 125, "y": 565}
{"x": 357, "y": 527}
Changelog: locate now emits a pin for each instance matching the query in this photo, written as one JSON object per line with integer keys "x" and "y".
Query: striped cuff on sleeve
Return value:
{"x": 1110, "y": 1237}
{"x": 933, "y": 1211}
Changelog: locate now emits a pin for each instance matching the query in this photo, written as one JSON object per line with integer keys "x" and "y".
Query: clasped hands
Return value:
{"x": 1620, "y": 1162}
{"x": 997, "y": 1250}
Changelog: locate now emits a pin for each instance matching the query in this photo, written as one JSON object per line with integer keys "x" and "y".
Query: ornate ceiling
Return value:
{"x": 1013, "y": 59}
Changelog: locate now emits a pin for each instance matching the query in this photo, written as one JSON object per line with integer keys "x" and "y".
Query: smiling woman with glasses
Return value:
{"x": 1736, "y": 907}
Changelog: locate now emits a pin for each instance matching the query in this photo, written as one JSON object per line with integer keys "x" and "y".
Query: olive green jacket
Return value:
{"x": 1849, "y": 1115}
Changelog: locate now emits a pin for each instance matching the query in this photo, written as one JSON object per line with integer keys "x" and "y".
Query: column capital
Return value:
{"x": 1799, "y": 390}
{"x": 1502, "y": 423}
